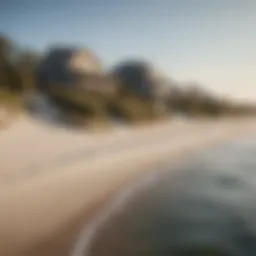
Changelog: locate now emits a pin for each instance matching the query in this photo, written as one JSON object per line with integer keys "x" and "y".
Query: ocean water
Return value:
{"x": 204, "y": 206}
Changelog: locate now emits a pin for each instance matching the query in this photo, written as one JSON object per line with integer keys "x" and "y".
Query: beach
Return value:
{"x": 54, "y": 180}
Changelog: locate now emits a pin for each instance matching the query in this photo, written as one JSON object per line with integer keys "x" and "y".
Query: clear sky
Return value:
{"x": 209, "y": 41}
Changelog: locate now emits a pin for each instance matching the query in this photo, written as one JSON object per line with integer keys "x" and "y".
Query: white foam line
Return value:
{"x": 88, "y": 233}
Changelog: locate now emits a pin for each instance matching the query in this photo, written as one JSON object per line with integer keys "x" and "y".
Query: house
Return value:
{"x": 142, "y": 79}
{"x": 72, "y": 69}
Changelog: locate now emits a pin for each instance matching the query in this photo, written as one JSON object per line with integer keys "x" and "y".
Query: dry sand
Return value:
{"x": 54, "y": 180}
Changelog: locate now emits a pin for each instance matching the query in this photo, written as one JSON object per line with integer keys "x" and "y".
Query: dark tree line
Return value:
{"x": 16, "y": 67}
{"x": 18, "y": 74}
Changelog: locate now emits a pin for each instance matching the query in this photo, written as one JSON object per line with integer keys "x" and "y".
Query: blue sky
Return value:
{"x": 209, "y": 41}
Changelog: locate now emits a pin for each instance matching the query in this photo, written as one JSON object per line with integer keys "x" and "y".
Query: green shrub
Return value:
{"x": 85, "y": 107}
{"x": 10, "y": 100}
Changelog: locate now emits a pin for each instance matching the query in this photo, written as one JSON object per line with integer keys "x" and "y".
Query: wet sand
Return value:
{"x": 60, "y": 179}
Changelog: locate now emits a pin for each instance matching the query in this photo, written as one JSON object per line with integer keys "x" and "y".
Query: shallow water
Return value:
{"x": 207, "y": 202}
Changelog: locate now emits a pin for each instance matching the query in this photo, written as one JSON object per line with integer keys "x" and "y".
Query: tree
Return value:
{"x": 8, "y": 73}
{"x": 5, "y": 49}
{"x": 26, "y": 65}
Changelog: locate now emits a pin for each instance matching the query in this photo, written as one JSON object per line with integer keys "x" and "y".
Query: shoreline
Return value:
{"x": 37, "y": 198}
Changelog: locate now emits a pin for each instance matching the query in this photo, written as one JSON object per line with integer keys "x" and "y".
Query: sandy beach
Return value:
{"x": 54, "y": 180}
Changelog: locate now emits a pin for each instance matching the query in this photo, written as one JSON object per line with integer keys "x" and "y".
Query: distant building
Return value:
{"x": 72, "y": 68}
{"x": 142, "y": 79}
{"x": 134, "y": 76}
